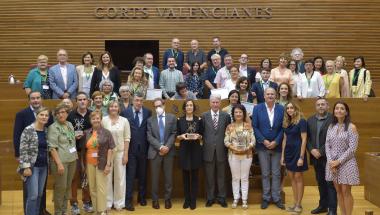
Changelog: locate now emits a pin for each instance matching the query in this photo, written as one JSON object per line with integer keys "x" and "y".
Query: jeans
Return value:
{"x": 35, "y": 186}
{"x": 270, "y": 166}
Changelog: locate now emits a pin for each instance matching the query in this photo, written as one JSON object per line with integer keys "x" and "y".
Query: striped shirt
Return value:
{"x": 168, "y": 80}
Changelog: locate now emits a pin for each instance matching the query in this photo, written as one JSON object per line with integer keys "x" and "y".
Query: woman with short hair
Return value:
{"x": 281, "y": 73}
{"x": 106, "y": 87}
{"x": 97, "y": 103}
{"x": 85, "y": 72}
{"x": 62, "y": 147}
{"x": 340, "y": 63}
{"x": 38, "y": 78}
{"x": 360, "y": 79}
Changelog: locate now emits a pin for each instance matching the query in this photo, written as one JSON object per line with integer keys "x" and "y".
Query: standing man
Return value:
{"x": 210, "y": 74}
{"x": 195, "y": 55}
{"x": 217, "y": 50}
{"x": 162, "y": 130}
{"x": 258, "y": 88}
{"x": 63, "y": 77}
{"x": 267, "y": 124}
{"x": 214, "y": 152}
{"x": 297, "y": 55}
{"x": 23, "y": 119}
{"x": 151, "y": 72}
{"x": 317, "y": 126}
{"x": 169, "y": 78}
{"x": 223, "y": 74}
{"x": 245, "y": 70}
{"x": 137, "y": 116}
{"x": 80, "y": 119}
{"x": 175, "y": 53}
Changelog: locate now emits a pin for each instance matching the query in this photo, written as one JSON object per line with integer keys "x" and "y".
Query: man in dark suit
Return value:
{"x": 137, "y": 116}
{"x": 162, "y": 129}
{"x": 317, "y": 126}
{"x": 245, "y": 70}
{"x": 152, "y": 73}
{"x": 215, "y": 123}
{"x": 24, "y": 118}
{"x": 267, "y": 124}
{"x": 258, "y": 88}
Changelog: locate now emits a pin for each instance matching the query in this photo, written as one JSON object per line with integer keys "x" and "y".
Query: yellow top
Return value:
{"x": 332, "y": 85}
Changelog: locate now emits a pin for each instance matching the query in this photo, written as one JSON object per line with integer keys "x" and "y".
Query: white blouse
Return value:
{"x": 311, "y": 89}
{"x": 120, "y": 131}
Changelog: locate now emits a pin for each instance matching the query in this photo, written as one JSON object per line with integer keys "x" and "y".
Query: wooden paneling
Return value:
{"x": 363, "y": 115}
{"x": 322, "y": 27}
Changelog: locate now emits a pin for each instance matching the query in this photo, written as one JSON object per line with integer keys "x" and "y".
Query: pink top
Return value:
{"x": 279, "y": 77}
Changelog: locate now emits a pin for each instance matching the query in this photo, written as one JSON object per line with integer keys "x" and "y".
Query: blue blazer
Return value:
{"x": 179, "y": 60}
{"x": 262, "y": 129}
{"x": 23, "y": 119}
{"x": 139, "y": 141}
{"x": 156, "y": 77}
{"x": 258, "y": 89}
{"x": 56, "y": 81}
{"x": 251, "y": 73}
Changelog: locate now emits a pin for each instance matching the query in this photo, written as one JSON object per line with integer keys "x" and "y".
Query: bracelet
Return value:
{"x": 301, "y": 158}
{"x": 109, "y": 165}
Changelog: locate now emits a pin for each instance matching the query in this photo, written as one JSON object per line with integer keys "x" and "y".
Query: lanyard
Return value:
{"x": 175, "y": 54}
{"x": 309, "y": 79}
{"x": 327, "y": 82}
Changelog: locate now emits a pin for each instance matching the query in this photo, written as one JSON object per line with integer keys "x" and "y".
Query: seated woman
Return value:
{"x": 106, "y": 87}
{"x": 284, "y": 94}
{"x": 243, "y": 86}
{"x": 96, "y": 158}
{"x": 97, "y": 103}
{"x": 62, "y": 147}
{"x": 137, "y": 81}
{"x": 194, "y": 81}
{"x": 333, "y": 81}
{"x": 38, "y": 80}
{"x": 33, "y": 159}
{"x": 181, "y": 92}
{"x": 231, "y": 83}
{"x": 239, "y": 139}
{"x": 360, "y": 79}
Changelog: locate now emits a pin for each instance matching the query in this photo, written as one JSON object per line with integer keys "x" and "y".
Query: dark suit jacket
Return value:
{"x": 156, "y": 77}
{"x": 139, "y": 142}
{"x": 154, "y": 135}
{"x": 262, "y": 129}
{"x": 251, "y": 73}
{"x": 97, "y": 78}
{"x": 213, "y": 140}
{"x": 24, "y": 118}
{"x": 312, "y": 135}
{"x": 258, "y": 89}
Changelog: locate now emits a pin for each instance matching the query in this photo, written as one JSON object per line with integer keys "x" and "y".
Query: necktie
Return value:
{"x": 215, "y": 121}
{"x": 162, "y": 129}
{"x": 136, "y": 119}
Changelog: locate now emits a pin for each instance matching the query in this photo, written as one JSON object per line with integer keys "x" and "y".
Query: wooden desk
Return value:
{"x": 372, "y": 177}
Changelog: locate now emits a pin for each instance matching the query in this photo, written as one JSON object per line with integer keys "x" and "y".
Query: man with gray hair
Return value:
{"x": 297, "y": 55}
{"x": 215, "y": 123}
{"x": 195, "y": 55}
{"x": 210, "y": 74}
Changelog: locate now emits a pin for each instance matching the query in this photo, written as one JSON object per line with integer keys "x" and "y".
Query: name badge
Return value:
{"x": 94, "y": 155}
{"x": 45, "y": 87}
{"x": 72, "y": 150}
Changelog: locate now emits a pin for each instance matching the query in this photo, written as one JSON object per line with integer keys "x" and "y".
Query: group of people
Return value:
{"x": 105, "y": 142}
{"x": 104, "y": 154}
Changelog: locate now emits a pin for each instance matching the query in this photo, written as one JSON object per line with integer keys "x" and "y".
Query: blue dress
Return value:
{"x": 293, "y": 146}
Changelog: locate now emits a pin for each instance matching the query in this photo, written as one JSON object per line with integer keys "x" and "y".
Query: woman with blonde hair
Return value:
{"x": 62, "y": 147}
{"x": 137, "y": 81}
{"x": 294, "y": 151}
{"x": 284, "y": 93}
{"x": 38, "y": 78}
{"x": 340, "y": 63}
{"x": 333, "y": 81}
{"x": 121, "y": 133}
{"x": 97, "y": 103}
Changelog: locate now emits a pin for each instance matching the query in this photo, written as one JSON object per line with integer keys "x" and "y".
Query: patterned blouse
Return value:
{"x": 240, "y": 137}
{"x": 194, "y": 84}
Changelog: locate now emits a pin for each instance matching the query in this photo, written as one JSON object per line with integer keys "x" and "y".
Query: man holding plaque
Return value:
{"x": 162, "y": 130}
{"x": 267, "y": 125}
{"x": 214, "y": 123}
{"x": 80, "y": 119}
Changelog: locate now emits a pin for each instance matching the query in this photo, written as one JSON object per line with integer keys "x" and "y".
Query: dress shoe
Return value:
{"x": 331, "y": 213}
{"x": 264, "y": 204}
{"x": 142, "y": 201}
{"x": 209, "y": 203}
{"x": 45, "y": 212}
{"x": 319, "y": 210}
{"x": 280, "y": 205}
{"x": 193, "y": 205}
{"x": 129, "y": 206}
{"x": 168, "y": 204}
{"x": 222, "y": 202}
{"x": 186, "y": 204}
{"x": 155, "y": 205}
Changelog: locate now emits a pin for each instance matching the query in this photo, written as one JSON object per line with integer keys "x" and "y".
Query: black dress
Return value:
{"x": 190, "y": 151}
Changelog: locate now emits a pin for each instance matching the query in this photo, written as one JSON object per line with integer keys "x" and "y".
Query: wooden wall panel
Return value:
{"x": 322, "y": 27}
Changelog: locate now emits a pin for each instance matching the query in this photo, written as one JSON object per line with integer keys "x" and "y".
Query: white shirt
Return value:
{"x": 64, "y": 74}
{"x": 243, "y": 71}
{"x": 312, "y": 89}
{"x": 222, "y": 76}
{"x": 270, "y": 114}
{"x": 230, "y": 85}
{"x": 149, "y": 71}
{"x": 120, "y": 131}
{"x": 296, "y": 79}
